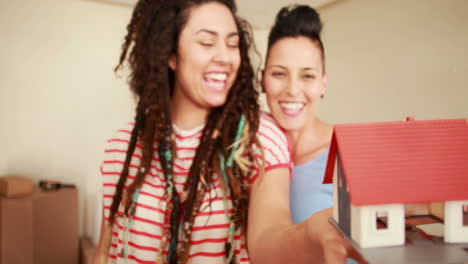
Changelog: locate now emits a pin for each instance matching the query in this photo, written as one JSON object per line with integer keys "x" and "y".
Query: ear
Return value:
{"x": 172, "y": 62}
{"x": 325, "y": 83}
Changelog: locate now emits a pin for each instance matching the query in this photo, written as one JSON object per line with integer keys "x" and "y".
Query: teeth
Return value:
{"x": 217, "y": 84}
{"x": 292, "y": 106}
{"x": 217, "y": 76}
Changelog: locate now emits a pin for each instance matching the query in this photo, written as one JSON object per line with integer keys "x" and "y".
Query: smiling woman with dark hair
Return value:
{"x": 177, "y": 179}
{"x": 295, "y": 82}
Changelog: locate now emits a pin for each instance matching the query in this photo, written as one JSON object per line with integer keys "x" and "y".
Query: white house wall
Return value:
{"x": 364, "y": 230}
{"x": 454, "y": 231}
{"x": 356, "y": 229}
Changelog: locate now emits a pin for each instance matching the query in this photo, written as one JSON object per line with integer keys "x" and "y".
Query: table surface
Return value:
{"x": 428, "y": 252}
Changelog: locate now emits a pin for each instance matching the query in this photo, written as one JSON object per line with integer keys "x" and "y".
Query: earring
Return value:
{"x": 322, "y": 96}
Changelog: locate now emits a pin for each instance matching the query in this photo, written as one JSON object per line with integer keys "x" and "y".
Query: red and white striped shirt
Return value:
{"x": 210, "y": 229}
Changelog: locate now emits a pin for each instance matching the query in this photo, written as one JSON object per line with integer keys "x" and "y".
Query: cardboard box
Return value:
{"x": 16, "y": 233}
{"x": 56, "y": 238}
{"x": 41, "y": 228}
{"x": 15, "y": 186}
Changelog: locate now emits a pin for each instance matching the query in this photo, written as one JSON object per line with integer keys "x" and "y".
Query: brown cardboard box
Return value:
{"x": 56, "y": 239}
{"x": 16, "y": 234}
{"x": 15, "y": 186}
{"x": 41, "y": 228}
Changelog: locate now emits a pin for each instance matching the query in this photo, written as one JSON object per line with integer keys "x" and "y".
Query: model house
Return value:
{"x": 378, "y": 168}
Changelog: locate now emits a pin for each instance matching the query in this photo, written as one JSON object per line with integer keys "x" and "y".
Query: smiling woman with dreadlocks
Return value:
{"x": 177, "y": 179}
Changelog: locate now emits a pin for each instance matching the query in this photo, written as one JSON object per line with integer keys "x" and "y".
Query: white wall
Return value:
{"x": 3, "y": 157}
{"x": 3, "y": 134}
{"x": 62, "y": 98}
{"x": 4, "y": 121}
{"x": 392, "y": 59}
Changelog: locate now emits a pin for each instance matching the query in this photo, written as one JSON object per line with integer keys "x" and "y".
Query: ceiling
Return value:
{"x": 260, "y": 13}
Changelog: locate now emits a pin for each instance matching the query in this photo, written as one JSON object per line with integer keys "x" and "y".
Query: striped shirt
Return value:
{"x": 210, "y": 229}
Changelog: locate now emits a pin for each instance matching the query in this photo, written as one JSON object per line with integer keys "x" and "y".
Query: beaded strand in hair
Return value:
{"x": 124, "y": 174}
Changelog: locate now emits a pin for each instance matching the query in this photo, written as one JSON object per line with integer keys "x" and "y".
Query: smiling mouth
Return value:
{"x": 292, "y": 106}
{"x": 216, "y": 81}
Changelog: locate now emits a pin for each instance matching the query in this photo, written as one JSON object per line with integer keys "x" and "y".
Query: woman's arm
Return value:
{"x": 100, "y": 257}
{"x": 272, "y": 236}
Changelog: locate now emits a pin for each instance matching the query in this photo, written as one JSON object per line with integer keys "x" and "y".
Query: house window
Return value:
{"x": 381, "y": 220}
{"x": 465, "y": 214}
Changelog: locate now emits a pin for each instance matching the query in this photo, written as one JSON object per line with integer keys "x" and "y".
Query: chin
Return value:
{"x": 290, "y": 126}
{"x": 216, "y": 102}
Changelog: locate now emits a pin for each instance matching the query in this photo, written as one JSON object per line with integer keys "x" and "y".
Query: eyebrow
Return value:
{"x": 302, "y": 69}
{"x": 277, "y": 66}
{"x": 310, "y": 69}
{"x": 214, "y": 33}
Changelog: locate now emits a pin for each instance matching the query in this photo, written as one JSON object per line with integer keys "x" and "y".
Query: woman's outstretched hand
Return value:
{"x": 335, "y": 248}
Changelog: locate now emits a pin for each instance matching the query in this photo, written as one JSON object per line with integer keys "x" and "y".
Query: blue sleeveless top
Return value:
{"x": 308, "y": 194}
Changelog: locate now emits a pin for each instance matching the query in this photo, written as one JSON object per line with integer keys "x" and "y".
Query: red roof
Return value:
{"x": 402, "y": 162}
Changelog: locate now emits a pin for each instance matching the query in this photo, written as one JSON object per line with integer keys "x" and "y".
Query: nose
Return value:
{"x": 292, "y": 86}
{"x": 223, "y": 54}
